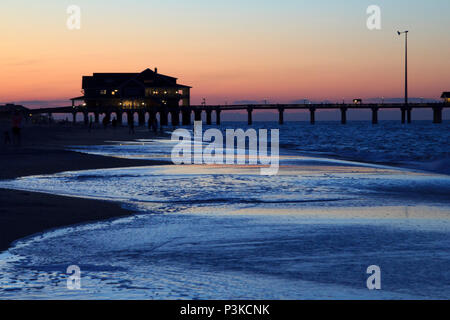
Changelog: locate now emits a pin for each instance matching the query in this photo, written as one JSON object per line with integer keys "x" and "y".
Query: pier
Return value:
{"x": 149, "y": 94}
{"x": 186, "y": 113}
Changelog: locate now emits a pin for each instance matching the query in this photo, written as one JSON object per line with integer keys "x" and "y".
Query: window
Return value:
{"x": 102, "y": 92}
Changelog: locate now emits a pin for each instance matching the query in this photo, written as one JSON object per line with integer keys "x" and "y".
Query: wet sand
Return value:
{"x": 43, "y": 152}
{"x": 25, "y": 213}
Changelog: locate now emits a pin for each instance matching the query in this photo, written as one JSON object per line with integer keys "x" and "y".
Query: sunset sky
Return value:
{"x": 227, "y": 50}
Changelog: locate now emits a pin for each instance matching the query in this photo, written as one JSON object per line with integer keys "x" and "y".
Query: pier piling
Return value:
{"x": 74, "y": 119}
{"x": 198, "y": 115}
{"x": 130, "y": 117}
{"x": 312, "y": 115}
{"x": 209, "y": 117}
{"x": 141, "y": 117}
{"x": 343, "y": 115}
{"x": 250, "y": 117}
{"x": 437, "y": 115}
{"x": 163, "y": 117}
{"x": 186, "y": 117}
{"x": 374, "y": 115}
{"x": 175, "y": 118}
{"x": 119, "y": 117}
{"x": 86, "y": 118}
{"x": 280, "y": 116}
{"x": 408, "y": 114}
{"x": 152, "y": 117}
{"x": 218, "y": 117}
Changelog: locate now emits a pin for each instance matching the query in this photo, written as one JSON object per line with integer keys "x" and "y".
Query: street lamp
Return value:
{"x": 406, "y": 75}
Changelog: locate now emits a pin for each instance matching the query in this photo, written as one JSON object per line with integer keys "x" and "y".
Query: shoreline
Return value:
{"x": 44, "y": 212}
{"x": 25, "y": 213}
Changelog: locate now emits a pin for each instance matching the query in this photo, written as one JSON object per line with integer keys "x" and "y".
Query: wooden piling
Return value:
{"x": 374, "y": 115}
{"x": 281, "y": 116}
{"x": 343, "y": 115}
{"x": 312, "y": 115}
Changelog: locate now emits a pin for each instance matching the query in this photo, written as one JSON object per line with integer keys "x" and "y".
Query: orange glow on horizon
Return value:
{"x": 300, "y": 59}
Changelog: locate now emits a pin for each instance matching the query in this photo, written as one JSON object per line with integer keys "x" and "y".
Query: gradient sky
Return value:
{"x": 227, "y": 50}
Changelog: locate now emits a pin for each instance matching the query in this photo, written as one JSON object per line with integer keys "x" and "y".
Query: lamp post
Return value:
{"x": 406, "y": 79}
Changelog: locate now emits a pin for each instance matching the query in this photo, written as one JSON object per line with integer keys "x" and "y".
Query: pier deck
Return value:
{"x": 197, "y": 110}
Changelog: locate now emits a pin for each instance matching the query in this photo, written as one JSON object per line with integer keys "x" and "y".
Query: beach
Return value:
{"x": 216, "y": 152}
{"x": 343, "y": 200}
{"x": 44, "y": 151}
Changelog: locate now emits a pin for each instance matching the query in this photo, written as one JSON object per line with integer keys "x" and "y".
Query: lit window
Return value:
{"x": 103, "y": 92}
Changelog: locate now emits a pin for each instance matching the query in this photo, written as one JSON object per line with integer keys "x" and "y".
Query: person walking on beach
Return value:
{"x": 16, "y": 128}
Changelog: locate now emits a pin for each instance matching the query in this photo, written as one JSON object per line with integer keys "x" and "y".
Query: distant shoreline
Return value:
{"x": 24, "y": 213}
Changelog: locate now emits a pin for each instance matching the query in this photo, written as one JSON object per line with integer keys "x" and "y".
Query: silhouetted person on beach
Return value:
{"x": 16, "y": 124}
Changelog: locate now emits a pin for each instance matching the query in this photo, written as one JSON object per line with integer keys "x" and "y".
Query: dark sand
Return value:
{"x": 26, "y": 213}
{"x": 42, "y": 152}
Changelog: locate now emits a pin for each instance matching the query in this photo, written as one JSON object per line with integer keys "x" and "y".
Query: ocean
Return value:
{"x": 345, "y": 198}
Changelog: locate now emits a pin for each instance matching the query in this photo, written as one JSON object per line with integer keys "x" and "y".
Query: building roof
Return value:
{"x": 77, "y": 98}
{"x": 445, "y": 95}
{"x": 147, "y": 78}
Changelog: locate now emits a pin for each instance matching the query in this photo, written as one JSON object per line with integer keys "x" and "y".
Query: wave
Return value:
{"x": 240, "y": 201}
